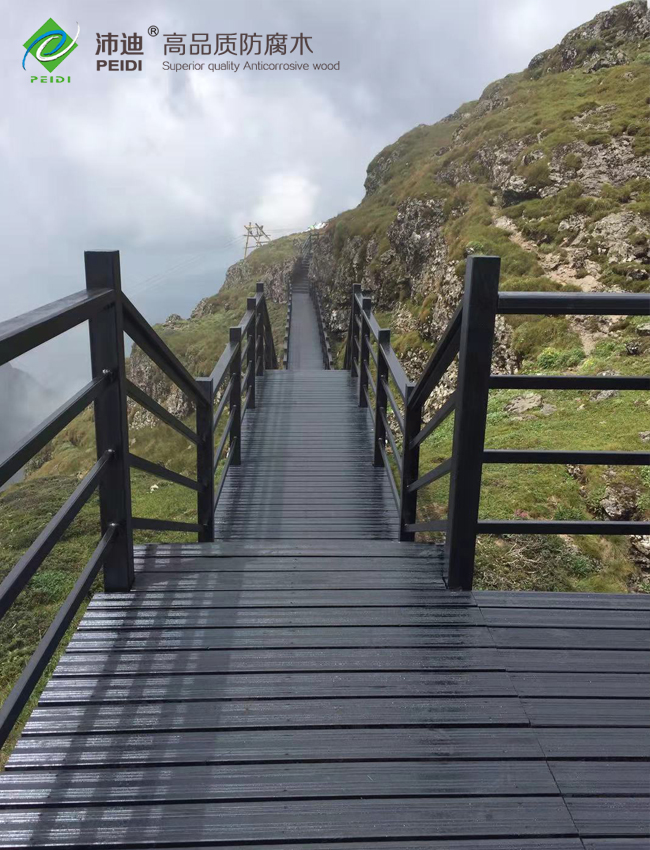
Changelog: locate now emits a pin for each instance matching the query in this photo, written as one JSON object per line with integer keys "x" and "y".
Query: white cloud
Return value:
{"x": 288, "y": 200}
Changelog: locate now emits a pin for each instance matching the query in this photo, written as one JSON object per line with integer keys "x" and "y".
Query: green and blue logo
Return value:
{"x": 41, "y": 47}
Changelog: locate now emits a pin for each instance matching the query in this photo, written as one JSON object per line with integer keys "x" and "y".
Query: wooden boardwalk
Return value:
{"x": 305, "y": 683}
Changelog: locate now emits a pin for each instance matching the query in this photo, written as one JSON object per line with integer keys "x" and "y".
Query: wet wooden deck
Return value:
{"x": 289, "y": 692}
{"x": 309, "y": 682}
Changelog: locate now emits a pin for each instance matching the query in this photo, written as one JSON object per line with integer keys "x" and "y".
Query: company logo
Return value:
{"x": 50, "y": 45}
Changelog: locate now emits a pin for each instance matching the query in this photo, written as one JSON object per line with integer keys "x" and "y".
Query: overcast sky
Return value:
{"x": 167, "y": 166}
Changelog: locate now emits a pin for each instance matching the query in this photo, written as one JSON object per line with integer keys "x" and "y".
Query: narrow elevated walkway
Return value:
{"x": 306, "y": 452}
{"x": 306, "y": 470}
{"x": 308, "y": 682}
{"x": 304, "y": 347}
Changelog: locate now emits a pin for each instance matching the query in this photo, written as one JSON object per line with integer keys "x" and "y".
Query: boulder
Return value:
{"x": 620, "y": 502}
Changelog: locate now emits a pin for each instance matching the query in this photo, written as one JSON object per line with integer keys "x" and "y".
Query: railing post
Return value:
{"x": 381, "y": 399}
{"x": 480, "y": 301}
{"x": 251, "y": 352}
{"x": 364, "y": 356}
{"x": 235, "y": 398}
{"x": 259, "y": 329}
{"x": 111, "y": 425}
{"x": 356, "y": 290}
{"x": 205, "y": 460}
{"x": 410, "y": 465}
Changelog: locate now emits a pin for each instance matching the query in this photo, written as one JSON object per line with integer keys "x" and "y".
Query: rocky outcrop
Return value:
{"x": 594, "y": 45}
{"x": 415, "y": 265}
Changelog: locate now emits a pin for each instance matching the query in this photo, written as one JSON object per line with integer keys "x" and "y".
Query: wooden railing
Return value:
{"x": 287, "y": 327}
{"x": 469, "y": 336}
{"x": 328, "y": 362}
{"x": 110, "y": 315}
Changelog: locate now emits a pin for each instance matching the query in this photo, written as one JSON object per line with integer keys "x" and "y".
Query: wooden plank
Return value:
{"x": 616, "y": 816}
{"x": 595, "y": 743}
{"x": 428, "y": 844}
{"x": 271, "y": 745}
{"x": 125, "y": 640}
{"x": 271, "y": 549}
{"x": 576, "y": 618}
{"x": 282, "y": 598}
{"x": 310, "y": 820}
{"x": 574, "y": 660}
{"x": 568, "y": 638}
{"x": 602, "y": 778}
{"x": 183, "y": 688}
{"x": 290, "y": 580}
{"x": 210, "y": 783}
{"x": 282, "y": 714}
{"x": 628, "y": 685}
{"x": 284, "y": 617}
{"x": 587, "y": 712}
{"x": 270, "y": 661}
{"x": 526, "y": 599}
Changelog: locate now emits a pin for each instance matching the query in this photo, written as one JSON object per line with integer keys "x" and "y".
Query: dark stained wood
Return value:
{"x": 331, "y": 697}
{"x": 308, "y": 682}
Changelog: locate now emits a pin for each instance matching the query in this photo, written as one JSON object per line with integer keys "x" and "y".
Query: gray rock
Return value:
{"x": 523, "y": 403}
{"x": 643, "y": 330}
{"x": 612, "y": 234}
{"x": 603, "y": 395}
{"x": 620, "y": 502}
{"x": 547, "y": 409}
{"x": 645, "y": 436}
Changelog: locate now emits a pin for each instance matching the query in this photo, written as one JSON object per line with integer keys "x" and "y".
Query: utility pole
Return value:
{"x": 257, "y": 234}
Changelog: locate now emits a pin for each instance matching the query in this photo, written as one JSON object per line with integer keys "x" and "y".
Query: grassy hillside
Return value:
{"x": 550, "y": 170}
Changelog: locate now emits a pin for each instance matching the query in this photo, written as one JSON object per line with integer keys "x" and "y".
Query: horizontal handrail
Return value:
{"x": 145, "y": 337}
{"x": 148, "y": 466}
{"x": 222, "y": 442}
{"x": 574, "y": 303}
{"x": 393, "y": 403}
{"x": 391, "y": 439}
{"x": 224, "y": 472}
{"x": 440, "y": 360}
{"x": 246, "y": 320}
{"x": 577, "y": 457}
{"x": 551, "y": 526}
{"x": 144, "y": 400}
{"x": 438, "y": 525}
{"x": 220, "y": 371}
{"x": 397, "y": 373}
{"x": 146, "y": 524}
{"x": 389, "y": 475}
{"x": 247, "y": 401}
{"x": 439, "y": 471}
{"x": 50, "y": 427}
{"x": 222, "y": 403}
{"x": 569, "y": 382}
{"x": 371, "y": 380}
{"x": 437, "y": 419}
{"x": 47, "y": 646}
{"x": 29, "y": 330}
{"x": 21, "y": 573}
